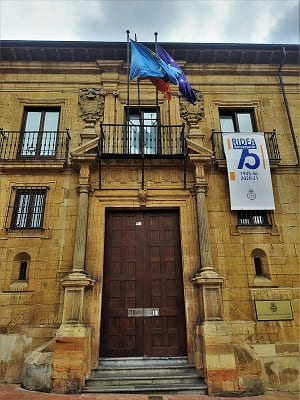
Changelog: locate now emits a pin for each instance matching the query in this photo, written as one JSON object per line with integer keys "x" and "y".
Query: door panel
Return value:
{"x": 142, "y": 270}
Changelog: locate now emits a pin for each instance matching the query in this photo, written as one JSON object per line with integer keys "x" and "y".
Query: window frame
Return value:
{"x": 30, "y": 206}
{"x": 142, "y": 147}
{"x": 233, "y": 112}
{"x": 40, "y": 133}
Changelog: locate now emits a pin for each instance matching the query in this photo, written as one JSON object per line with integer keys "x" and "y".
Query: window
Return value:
{"x": 261, "y": 265}
{"x": 39, "y": 132}
{"x": 22, "y": 271}
{"x": 142, "y": 131}
{"x": 253, "y": 217}
{"x": 28, "y": 208}
{"x": 258, "y": 266}
{"x": 237, "y": 121}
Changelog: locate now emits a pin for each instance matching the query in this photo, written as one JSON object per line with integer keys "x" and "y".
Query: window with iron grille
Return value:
{"x": 28, "y": 208}
{"x": 253, "y": 217}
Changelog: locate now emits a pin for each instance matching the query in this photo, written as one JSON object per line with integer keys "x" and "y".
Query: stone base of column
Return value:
{"x": 72, "y": 347}
{"x": 210, "y": 285}
{"x": 72, "y": 358}
{"x": 226, "y": 373}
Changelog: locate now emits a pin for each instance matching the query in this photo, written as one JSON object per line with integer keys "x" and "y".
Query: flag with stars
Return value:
{"x": 146, "y": 63}
{"x": 184, "y": 85}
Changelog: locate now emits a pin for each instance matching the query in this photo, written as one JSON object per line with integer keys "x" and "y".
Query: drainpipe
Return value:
{"x": 287, "y": 106}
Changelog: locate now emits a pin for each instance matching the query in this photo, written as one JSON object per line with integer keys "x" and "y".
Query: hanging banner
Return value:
{"x": 248, "y": 168}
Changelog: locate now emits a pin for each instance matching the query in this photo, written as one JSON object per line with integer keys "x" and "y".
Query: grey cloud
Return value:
{"x": 286, "y": 29}
{"x": 140, "y": 17}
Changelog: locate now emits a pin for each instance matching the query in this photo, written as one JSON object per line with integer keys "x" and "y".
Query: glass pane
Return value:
{"x": 150, "y": 139}
{"x": 37, "y": 211}
{"x": 48, "y": 145}
{"x": 51, "y": 121}
{"x": 134, "y": 135}
{"x": 226, "y": 123}
{"x": 29, "y": 143}
{"x": 245, "y": 123}
{"x": 22, "y": 211}
{"x": 150, "y": 132}
{"x": 33, "y": 121}
{"x": 150, "y": 118}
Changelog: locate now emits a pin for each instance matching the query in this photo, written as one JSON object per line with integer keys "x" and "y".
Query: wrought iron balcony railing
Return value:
{"x": 33, "y": 145}
{"x": 136, "y": 141}
{"x": 271, "y": 144}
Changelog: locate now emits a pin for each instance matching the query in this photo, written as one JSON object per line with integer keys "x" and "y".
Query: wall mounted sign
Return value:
{"x": 248, "y": 168}
{"x": 273, "y": 310}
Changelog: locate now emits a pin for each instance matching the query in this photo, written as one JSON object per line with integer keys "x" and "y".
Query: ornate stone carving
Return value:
{"x": 192, "y": 114}
{"x": 91, "y": 105}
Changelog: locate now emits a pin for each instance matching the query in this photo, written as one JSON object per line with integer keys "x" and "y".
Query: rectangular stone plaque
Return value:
{"x": 273, "y": 310}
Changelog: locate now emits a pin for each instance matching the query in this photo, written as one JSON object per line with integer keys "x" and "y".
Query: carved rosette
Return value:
{"x": 91, "y": 105}
{"x": 192, "y": 114}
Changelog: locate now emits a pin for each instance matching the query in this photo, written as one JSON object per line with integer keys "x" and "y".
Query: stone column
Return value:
{"x": 82, "y": 219}
{"x": 207, "y": 279}
{"x": 77, "y": 280}
{"x": 72, "y": 348}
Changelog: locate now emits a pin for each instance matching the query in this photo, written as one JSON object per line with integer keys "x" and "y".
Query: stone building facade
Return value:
{"x": 97, "y": 213}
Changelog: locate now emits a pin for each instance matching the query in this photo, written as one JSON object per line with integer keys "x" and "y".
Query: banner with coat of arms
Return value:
{"x": 249, "y": 176}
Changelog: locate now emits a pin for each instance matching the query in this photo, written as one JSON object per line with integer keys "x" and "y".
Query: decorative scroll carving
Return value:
{"x": 190, "y": 113}
{"x": 91, "y": 105}
{"x": 143, "y": 197}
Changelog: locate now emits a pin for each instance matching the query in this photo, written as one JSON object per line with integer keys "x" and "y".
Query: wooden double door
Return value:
{"x": 143, "y": 303}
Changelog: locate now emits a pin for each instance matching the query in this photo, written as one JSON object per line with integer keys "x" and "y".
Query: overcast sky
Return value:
{"x": 214, "y": 21}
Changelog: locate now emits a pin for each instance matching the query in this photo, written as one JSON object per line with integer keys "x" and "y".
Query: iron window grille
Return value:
{"x": 253, "y": 218}
{"x": 26, "y": 210}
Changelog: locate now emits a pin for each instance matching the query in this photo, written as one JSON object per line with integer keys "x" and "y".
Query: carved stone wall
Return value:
{"x": 91, "y": 105}
{"x": 192, "y": 114}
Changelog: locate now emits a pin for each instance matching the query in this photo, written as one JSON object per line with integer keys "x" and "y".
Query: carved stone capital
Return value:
{"x": 201, "y": 188}
{"x": 91, "y": 105}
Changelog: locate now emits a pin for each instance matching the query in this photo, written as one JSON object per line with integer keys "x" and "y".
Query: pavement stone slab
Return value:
{"x": 15, "y": 392}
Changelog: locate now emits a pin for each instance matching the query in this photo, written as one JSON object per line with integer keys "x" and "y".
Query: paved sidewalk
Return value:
{"x": 14, "y": 392}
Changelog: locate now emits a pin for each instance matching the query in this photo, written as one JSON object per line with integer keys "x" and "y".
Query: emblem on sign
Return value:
{"x": 251, "y": 194}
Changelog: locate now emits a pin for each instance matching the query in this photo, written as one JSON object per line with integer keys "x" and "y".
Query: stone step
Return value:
{"x": 153, "y": 375}
{"x": 149, "y": 370}
{"x": 142, "y": 380}
{"x": 199, "y": 389}
{"x": 139, "y": 361}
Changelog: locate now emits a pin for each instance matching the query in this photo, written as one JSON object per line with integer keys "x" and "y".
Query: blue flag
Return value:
{"x": 145, "y": 63}
{"x": 184, "y": 85}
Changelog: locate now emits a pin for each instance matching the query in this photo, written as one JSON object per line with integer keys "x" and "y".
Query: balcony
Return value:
{"x": 142, "y": 141}
{"x": 271, "y": 145}
{"x": 34, "y": 147}
{"x": 135, "y": 141}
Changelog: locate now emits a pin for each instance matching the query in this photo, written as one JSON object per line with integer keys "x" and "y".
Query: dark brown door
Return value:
{"x": 142, "y": 276}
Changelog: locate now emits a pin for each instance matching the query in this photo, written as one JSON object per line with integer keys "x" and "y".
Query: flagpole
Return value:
{"x": 141, "y": 130}
{"x": 156, "y": 100}
{"x": 128, "y": 80}
{"x": 158, "y": 121}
